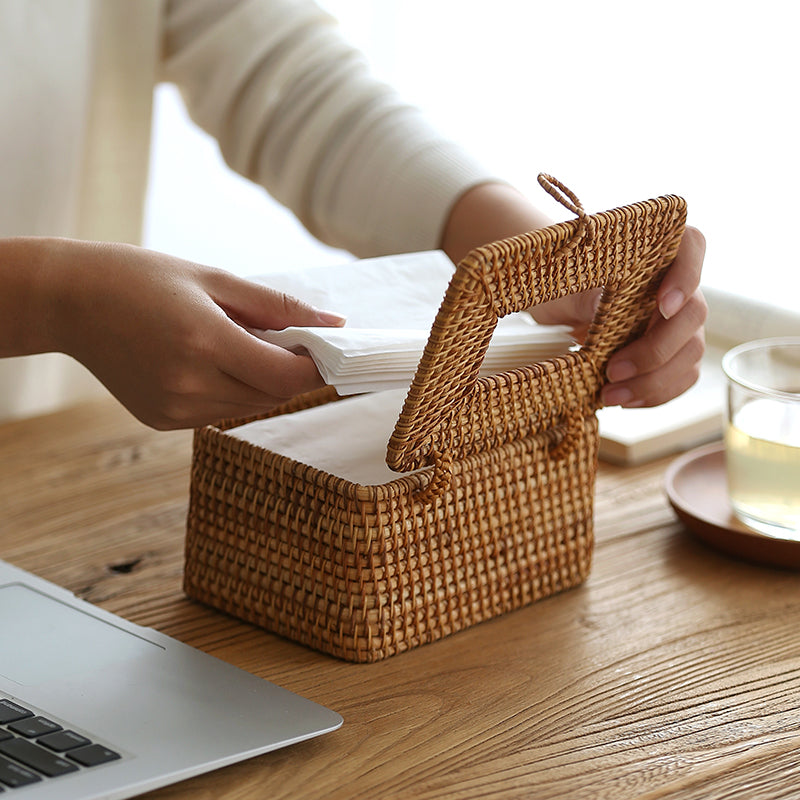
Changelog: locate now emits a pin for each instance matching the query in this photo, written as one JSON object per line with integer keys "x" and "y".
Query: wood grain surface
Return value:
{"x": 674, "y": 672}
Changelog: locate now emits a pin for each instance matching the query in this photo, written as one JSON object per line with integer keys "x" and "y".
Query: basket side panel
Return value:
{"x": 514, "y": 527}
{"x": 363, "y": 580}
{"x": 270, "y": 545}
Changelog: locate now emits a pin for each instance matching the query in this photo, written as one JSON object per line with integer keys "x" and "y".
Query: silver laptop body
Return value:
{"x": 142, "y": 708}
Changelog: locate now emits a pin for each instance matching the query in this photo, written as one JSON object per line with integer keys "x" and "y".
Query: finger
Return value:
{"x": 265, "y": 367}
{"x": 197, "y": 416}
{"x": 660, "y": 343}
{"x": 228, "y": 394}
{"x": 276, "y": 372}
{"x": 205, "y": 395}
{"x": 683, "y": 276}
{"x": 260, "y": 306}
{"x": 658, "y": 386}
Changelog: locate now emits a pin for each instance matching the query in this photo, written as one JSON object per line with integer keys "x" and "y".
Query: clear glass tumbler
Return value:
{"x": 762, "y": 437}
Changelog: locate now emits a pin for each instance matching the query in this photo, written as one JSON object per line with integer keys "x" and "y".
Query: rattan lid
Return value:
{"x": 451, "y": 412}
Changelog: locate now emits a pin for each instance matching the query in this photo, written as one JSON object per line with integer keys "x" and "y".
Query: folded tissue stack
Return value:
{"x": 390, "y": 304}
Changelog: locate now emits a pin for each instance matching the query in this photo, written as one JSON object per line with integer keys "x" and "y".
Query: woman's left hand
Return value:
{"x": 665, "y": 361}
{"x": 656, "y": 367}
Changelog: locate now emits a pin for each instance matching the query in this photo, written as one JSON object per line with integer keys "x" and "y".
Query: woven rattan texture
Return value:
{"x": 501, "y": 513}
{"x": 366, "y": 574}
{"x": 449, "y": 409}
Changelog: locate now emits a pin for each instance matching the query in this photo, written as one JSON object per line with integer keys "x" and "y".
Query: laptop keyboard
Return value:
{"x": 35, "y": 748}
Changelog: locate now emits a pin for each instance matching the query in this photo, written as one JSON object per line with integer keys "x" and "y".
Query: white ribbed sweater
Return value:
{"x": 292, "y": 104}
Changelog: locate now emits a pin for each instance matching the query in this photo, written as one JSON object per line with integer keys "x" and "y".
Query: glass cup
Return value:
{"x": 762, "y": 437}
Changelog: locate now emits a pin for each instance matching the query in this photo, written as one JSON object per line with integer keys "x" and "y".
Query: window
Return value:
{"x": 619, "y": 99}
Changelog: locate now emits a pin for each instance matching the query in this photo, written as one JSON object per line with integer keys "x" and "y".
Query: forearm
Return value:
{"x": 486, "y": 213}
{"x": 30, "y": 274}
{"x": 296, "y": 109}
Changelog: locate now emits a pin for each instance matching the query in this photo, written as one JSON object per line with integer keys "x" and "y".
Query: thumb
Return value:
{"x": 280, "y": 310}
{"x": 259, "y": 306}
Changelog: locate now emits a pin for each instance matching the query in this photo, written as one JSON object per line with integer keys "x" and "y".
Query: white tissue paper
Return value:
{"x": 390, "y": 304}
{"x": 347, "y": 438}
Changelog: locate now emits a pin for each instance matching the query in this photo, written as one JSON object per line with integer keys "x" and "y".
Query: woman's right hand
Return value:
{"x": 169, "y": 337}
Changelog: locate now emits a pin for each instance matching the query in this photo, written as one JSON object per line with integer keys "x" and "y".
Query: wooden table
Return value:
{"x": 674, "y": 672}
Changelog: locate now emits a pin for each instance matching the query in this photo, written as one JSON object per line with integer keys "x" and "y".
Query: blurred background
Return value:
{"x": 622, "y": 100}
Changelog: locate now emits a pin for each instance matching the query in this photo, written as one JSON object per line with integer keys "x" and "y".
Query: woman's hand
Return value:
{"x": 664, "y": 361}
{"x": 168, "y": 337}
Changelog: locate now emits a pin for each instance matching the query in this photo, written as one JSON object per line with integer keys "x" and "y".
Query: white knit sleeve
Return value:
{"x": 295, "y": 108}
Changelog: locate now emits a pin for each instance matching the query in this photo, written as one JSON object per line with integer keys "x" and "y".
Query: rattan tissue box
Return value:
{"x": 492, "y": 506}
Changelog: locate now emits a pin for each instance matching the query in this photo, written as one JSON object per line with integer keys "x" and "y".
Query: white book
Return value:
{"x": 635, "y": 435}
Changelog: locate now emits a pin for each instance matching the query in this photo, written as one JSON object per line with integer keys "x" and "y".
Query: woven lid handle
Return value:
{"x": 451, "y": 412}
{"x": 561, "y": 193}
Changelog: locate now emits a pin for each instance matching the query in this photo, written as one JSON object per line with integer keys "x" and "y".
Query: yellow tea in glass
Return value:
{"x": 762, "y": 438}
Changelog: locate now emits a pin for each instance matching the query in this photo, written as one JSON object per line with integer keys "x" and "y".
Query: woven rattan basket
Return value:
{"x": 499, "y": 510}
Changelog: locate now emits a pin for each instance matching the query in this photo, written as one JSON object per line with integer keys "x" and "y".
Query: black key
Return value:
{"x": 35, "y": 757}
{"x": 32, "y": 727}
{"x": 63, "y": 740}
{"x": 14, "y": 775}
{"x": 9, "y": 712}
{"x": 92, "y": 755}
{"x": 5, "y": 735}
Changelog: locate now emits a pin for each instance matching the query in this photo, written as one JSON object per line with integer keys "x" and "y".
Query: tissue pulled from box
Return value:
{"x": 390, "y": 304}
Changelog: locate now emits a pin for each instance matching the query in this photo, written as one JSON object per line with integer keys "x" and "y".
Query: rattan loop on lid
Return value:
{"x": 562, "y": 194}
{"x": 440, "y": 478}
{"x": 571, "y": 426}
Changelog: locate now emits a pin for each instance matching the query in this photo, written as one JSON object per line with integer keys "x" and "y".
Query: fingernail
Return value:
{"x": 330, "y": 318}
{"x": 620, "y": 371}
{"x": 616, "y": 397}
{"x": 672, "y": 303}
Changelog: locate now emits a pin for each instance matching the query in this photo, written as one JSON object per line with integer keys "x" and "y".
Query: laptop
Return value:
{"x": 93, "y": 706}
